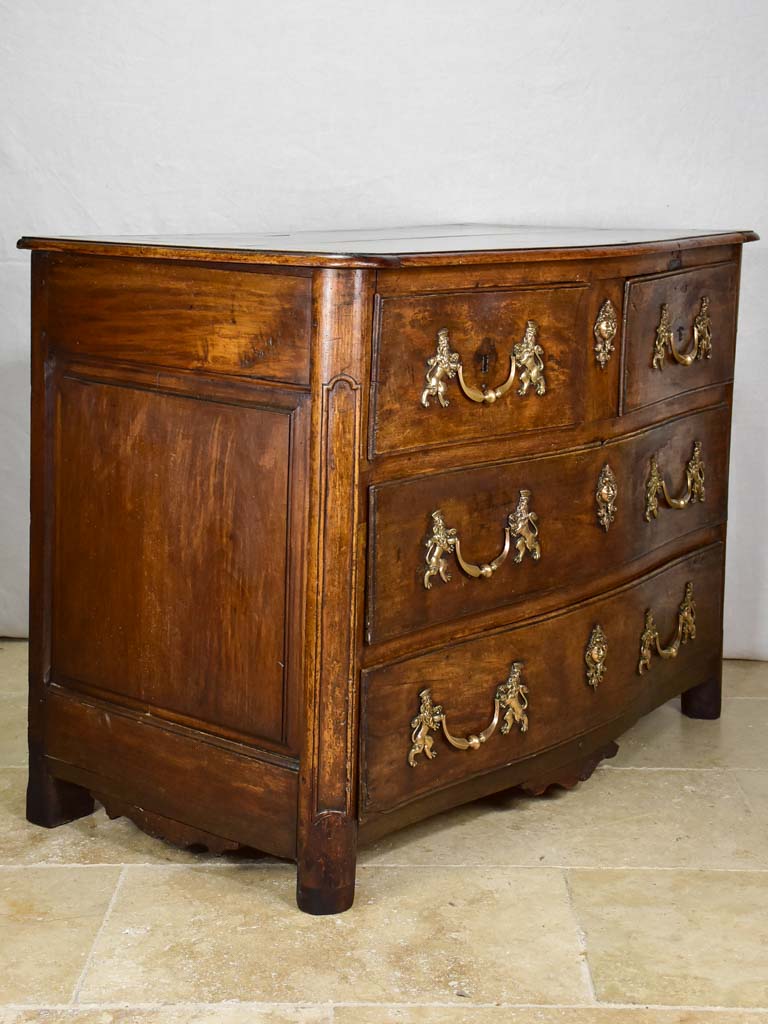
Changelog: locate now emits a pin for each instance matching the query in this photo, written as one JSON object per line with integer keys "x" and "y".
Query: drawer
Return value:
{"x": 433, "y": 351}
{"x": 505, "y": 697}
{"x": 421, "y": 573}
{"x": 158, "y": 313}
{"x": 680, "y": 332}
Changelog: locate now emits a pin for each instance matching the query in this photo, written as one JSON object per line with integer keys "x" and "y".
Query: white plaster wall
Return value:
{"x": 140, "y": 116}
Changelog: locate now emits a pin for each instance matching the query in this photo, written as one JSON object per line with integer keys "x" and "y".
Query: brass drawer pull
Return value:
{"x": 522, "y": 524}
{"x": 686, "y": 630}
{"x": 510, "y": 700}
{"x": 527, "y": 357}
{"x": 701, "y": 338}
{"x": 656, "y": 485}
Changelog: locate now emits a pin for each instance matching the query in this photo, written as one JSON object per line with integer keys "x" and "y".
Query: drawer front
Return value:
{"x": 543, "y": 683}
{"x": 680, "y": 332}
{"x": 531, "y": 526}
{"x": 441, "y": 360}
{"x": 157, "y": 313}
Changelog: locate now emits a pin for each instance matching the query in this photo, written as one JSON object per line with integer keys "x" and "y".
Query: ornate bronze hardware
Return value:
{"x": 701, "y": 338}
{"x": 522, "y": 525}
{"x": 527, "y": 358}
{"x": 510, "y": 701}
{"x": 656, "y": 484}
{"x": 606, "y": 325}
{"x": 595, "y": 655}
{"x": 686, "y": 630}
{"x": 605, "y": 496}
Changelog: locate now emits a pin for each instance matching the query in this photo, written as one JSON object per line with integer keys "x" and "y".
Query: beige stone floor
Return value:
{"x": 641, "y": 897}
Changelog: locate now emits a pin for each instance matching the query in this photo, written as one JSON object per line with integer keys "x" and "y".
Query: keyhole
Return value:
{"x": 484, "y": 363}
{"x": 680, "y": 333}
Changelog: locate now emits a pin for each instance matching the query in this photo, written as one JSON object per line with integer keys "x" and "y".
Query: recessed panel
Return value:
{"x": 171, "y": 553}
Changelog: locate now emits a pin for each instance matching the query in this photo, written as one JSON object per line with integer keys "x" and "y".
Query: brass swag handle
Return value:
{"x": 701, "y": 338}
{"x": 527, "y": 357}
{"x": 656, "y": 485}
{"x": 522, "y": 524}
{"x": 510, "y": 700}
{"x": 686, "y": 630}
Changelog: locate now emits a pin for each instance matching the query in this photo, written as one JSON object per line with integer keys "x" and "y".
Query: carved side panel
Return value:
{"x": 337, "y": 579}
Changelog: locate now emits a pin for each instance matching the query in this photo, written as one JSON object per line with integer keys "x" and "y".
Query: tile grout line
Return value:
{"x": 89, "y": 959}
{"x": 586, "y": 970}
{"x": 397, "y": 865}
{"x": 303, "y": 1004}
{"x": 670, "y": 769}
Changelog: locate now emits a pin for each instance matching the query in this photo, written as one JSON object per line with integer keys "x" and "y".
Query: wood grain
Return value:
{"x": 682, "y": 291}
{"x": 232, "y": 321}
{"x": 171, "y": 580}
{"x": 463, "y": 679}
{"x": 574, "y": 546}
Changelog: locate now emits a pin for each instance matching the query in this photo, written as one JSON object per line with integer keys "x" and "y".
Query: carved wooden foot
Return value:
{"x": 704, "y": 700}
{"x": 51, "y": 801}
{"x": 569, "y": 775}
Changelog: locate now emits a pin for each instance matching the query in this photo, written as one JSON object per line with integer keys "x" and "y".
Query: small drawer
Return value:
{"x": 680, "y": 332}
{"x": 461, "y": 366}
{"x": 158, "y": 313}
{"x": 465, "y": 542}
{"x": 463, "y": 710}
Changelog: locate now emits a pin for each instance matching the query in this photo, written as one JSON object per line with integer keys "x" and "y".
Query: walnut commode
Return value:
{"x": 333, "y": 532}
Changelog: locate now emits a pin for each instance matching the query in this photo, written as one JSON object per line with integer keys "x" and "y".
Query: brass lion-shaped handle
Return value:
{"x": 510, "y": 706}
{"x": 700, "y": 346}
{"x": 656, "y": 485}
{"x": 527, "y": 359}
{"x": 522, "y": 526}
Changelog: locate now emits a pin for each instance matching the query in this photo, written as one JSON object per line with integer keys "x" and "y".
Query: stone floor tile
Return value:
{"x": 13, "y": 729}
{"x": 745, "y": 679}
{"x": 90, "y": 840}
{"x": 49, "y": 918}
{"x": 754, "y": 785}
{"x": 13, "y": 665}
{"x": 615, "y": 819}
{"x": 246, "y": 1013}
{"x": 671, "y": 938}
{"x": 667, "y": 739}
{"x": 537, "y": 1015}
{"x": 210, "y": 934}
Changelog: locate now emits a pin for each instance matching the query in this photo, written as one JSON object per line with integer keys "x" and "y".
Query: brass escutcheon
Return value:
{"x": 604, "y": 331}
{"x": 595, "y": 655}
{"x": 605, "y": 496}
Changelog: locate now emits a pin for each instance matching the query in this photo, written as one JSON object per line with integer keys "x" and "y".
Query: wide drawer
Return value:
{"x": 680, "y": 332}
{"x": 214, "y": 319}
{"x": 595, "y": 509}
{"x": 505, "y": 697}
{"x": 432, "y": 352}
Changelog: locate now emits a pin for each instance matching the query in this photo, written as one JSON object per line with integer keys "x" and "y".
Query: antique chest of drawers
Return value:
{"x": 332, "y": 532}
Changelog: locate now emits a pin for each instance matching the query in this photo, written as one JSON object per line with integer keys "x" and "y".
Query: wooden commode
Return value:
{"x": 331, "y": 532}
